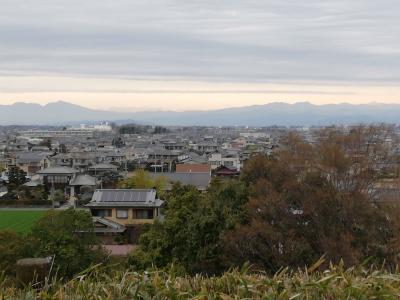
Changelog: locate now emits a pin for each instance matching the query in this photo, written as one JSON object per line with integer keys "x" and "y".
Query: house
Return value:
{"x": 102, "y": 168}
{"x": 110, "y": 156}
{"x": 131, "y": 208}
{"x": 159, "y": 158}
{"x": 205, "y": 147}
{"x": 109, "y": 231}
{"x": 30, "y": 162}
{"x": 76, "y": 160}
{"x": 231, "y": 161}
{"x": 174, "y": 145}
{"x": 79, "y": 181}
{"x": 57, "y": 177}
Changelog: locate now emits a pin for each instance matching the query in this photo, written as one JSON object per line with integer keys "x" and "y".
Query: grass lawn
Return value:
{"x": 19, "y": 220}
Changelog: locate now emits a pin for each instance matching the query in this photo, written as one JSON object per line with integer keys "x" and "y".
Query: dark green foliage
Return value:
{"x": 57, "y": 197}
{"x": 23, "y": 195}
{"x": 62, "y": 148}
{"x": 35, "y": 194}
{"x": 118, "y": 142}
{"x": 140, "y": 129}
{"x": 133, "y": 129}
{"x": 16, "y": 177}
{"x": 13, "y": 246}
{"x": 109, "y": 179}
{"x": 188, "y": 237}
{"x": 160, "y": 129}
{"x": 46, "y": 143}
{"x": 69, "y": 236}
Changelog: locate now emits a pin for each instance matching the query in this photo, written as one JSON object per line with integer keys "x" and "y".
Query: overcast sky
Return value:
{"x": 199, "y": 54}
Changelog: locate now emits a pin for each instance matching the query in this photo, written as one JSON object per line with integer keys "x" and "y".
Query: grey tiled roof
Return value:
{"x": 110, "y": 226}
{"x": 58, "y": 170}
{"x": 29, "y": 157}
{"x": 83, "y": 179}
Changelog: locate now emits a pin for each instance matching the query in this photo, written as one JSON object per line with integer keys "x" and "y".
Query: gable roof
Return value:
{"x": 83, "y": 179}
{"x": 57, "y": 171}
{"x": 108, "y": 226}
{"x": 29, "y": 157}
{"x": 125, "y": 198}
{"x": 224, "y": 170}
{"x": 193, "y": 168}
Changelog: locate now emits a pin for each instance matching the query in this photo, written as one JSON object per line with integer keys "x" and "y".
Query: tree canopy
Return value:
{"x": 142, "y": 180}
{"x": 69, "y": 235}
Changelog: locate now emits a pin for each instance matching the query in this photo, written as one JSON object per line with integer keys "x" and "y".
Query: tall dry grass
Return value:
{"x": 333, "y": 283}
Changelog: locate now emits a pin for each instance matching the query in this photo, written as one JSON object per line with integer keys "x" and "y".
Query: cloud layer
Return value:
{"x": 226, "y": 41}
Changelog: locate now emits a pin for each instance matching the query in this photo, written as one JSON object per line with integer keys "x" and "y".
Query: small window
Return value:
{"x": 101, "y": 213}
{"x": 143, "y": 214}
{"x": 122, "y": 213}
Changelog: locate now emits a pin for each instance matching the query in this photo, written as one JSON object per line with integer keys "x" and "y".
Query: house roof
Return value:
{"x": 199, "y": 180}
{"x": 193, "y": 168}
{"x": 29, "y": 157}
{"x": 75, "y": 155}
{"x": 224, "y": 170}
{"x": 125, "y": 198}
{"x": 103, "y": 167}
{"x": 161, "y": 151}
{"x": 197, "y": 159}
{"x": 57, "y": 171}
{"x": 107, "y": 226}
{"x": 83, "y": 179}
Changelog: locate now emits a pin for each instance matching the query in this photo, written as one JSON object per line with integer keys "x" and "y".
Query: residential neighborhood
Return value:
{"x": 82, "y": 168}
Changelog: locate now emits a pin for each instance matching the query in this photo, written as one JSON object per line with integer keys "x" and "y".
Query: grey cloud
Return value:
{"x": 249, "y": 41}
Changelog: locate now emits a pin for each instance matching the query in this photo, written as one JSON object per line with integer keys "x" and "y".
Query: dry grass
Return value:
{"x": 334, "y": 283}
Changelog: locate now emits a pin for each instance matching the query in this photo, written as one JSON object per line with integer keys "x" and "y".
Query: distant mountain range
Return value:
{"x": 278, "y": 113}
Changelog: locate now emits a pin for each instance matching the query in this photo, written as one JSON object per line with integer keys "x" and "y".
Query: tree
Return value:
{"x": 35, "y": 194}
{"x": 133, "y": 129}
{"x": 110, "y": 179}
{"x": 118, "y": 142}
{"x": 189, "y": 235}
{"x": 142, "y": 180}
{"x": 69, "y": 235}
{"x": 13, "y": 246}
{"x": 16, "y": 176}
{"x": 305, "y": 206}
{"x": 46, "y": 143}
{"x": 57, "y": 197}
{"x": 353, "y": 161}
{"x": 62, "y": 148}
{"x": 160, "y": 129}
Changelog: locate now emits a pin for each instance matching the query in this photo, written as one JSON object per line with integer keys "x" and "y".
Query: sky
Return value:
{"x": 183, "y": 55}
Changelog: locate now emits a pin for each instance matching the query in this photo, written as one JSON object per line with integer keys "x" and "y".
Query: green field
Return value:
{"x": 19, "y": 220}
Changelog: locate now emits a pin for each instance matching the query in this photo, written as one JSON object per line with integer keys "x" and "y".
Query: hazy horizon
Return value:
{"x": 190, "y": 55}
{"x": 139, "y": 109}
